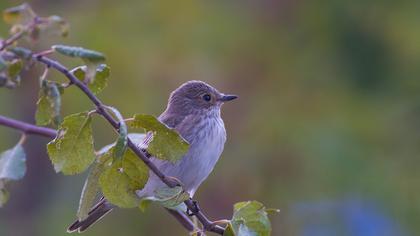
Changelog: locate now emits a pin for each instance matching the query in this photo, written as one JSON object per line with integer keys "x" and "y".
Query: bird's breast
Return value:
{"x": 206, "y": 145}
{"x": 205, "y": 150}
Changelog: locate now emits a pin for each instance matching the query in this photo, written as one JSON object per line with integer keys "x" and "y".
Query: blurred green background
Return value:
{"x": 327, "y": 127}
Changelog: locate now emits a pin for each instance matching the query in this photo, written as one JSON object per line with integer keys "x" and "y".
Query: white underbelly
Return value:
{"x": 196, "y": 165}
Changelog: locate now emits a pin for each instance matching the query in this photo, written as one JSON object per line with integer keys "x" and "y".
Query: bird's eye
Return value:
{"x": 207, "y": 97}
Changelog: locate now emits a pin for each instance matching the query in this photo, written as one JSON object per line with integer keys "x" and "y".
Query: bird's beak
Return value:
{"x": 227, "y": 97}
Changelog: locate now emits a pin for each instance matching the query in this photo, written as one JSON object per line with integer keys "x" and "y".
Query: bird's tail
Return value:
{"x": 95, "y": 214}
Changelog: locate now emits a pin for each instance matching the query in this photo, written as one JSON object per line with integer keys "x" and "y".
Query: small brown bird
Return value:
{"x": 193, "y": 110}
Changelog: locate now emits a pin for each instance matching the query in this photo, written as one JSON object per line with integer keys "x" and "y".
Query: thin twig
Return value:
{"x": 27, "y": 128}
{"x": 18, "y": 35}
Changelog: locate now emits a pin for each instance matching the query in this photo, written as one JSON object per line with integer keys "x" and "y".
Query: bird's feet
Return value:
{"x": 195, "y": 210}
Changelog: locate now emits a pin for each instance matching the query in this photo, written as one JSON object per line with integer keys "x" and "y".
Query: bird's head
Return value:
{"x": 197, "y": 97}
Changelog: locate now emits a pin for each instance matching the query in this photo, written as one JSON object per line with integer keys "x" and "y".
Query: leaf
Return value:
{"x": 86, "y": 54}
{"x": 167, "y": 197}
{"x": 49, "y": 104}
{"x": 167, "y": 144}
{"x": 4, "y": 196}
{"x": 91, "y": 187}
{"x": 90, "y": 191}
{"x": 229, "y": 230}
{"x": 135, "y": 138}
{"x": 3, "y": 63}
{"x": 100, "y": 80}
{"x": 249, "y": 218}
{"x": 245, "y": 231}
{"x": 12, "y": 164}
{"x": 57, "y": 22}
{"x": 14, "y": 68}
{"x": 21, "y": 14}
{"x": 72, "y": 150}
{"x": 22, "y": 52}
{"x": 43, "y": 111}
{"x": 12, "y": 167}
{"x": 122, "y": 178}
{"x": 121, "y": 144}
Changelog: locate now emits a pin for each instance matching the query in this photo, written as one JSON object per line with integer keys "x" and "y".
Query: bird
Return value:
{"x": 193, "y": 110}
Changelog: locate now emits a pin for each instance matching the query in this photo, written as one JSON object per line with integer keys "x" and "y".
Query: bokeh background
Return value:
{"x": 326, "y": 128}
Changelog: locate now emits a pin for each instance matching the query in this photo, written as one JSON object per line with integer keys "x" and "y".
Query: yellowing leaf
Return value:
{"x": 72, "y": 150}
{"x": 122, "y": 178}
{"x": 21, "y": 14}
{"x": 167, "y": 144}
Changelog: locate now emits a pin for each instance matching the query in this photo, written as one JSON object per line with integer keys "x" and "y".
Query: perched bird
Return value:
{"x": 193, "y": 110}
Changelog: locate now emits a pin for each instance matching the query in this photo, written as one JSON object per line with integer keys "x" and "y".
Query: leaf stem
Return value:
{"x": 22, "y": 139}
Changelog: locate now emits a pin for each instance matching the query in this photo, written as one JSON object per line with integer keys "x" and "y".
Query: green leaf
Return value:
{"x": 22, "y": 52}
{"x": 249, "y": 218}
{"x": 167, "y": 197}
{"x": 135, "y": 138}
{"x": 49, "y": 104}
{"x": 121, "y": 144}
{"x": 86, "y": 54}
{"x": 21, "y": 14}
{"x": 12, "y": 164}
{"x": 229, "y": 230}
{"x": 14, "y": 68}
{"x": 4, "y": 196}
{"x": 100, "y": 80}
{"x": 3, "y": 63}
{"x": 90, "y": 191}
{"x": 72, "y": 150}
{"x": 122, "y": 178}
{"x": 167, "y": 144}
{"x": 12, "y": 167}
{"x": 43, "y": 111}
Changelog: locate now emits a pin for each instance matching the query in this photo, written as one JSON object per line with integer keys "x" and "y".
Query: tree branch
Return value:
{"x": 100, "y": 107}
{"x": 27, "y": 128}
